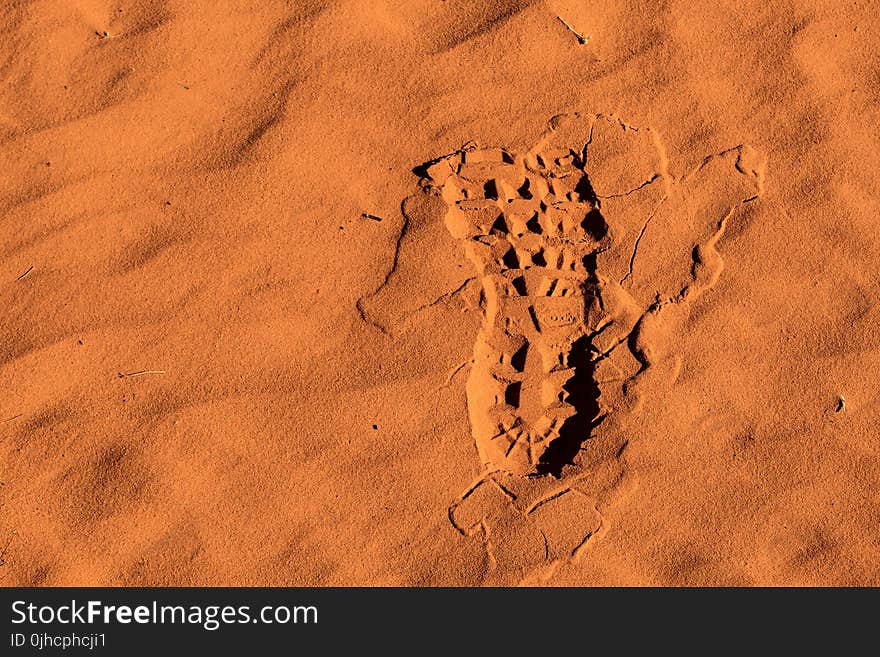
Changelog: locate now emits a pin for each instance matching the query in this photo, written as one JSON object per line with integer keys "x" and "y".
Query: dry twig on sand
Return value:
{"x": 140, "y": 373}
{"x": 582, "y": 40}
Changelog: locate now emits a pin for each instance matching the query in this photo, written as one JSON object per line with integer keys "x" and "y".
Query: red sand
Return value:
{"x": 217, "y": 370}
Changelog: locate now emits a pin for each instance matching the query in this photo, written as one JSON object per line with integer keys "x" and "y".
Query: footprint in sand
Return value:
{"x": 588, "y": 250}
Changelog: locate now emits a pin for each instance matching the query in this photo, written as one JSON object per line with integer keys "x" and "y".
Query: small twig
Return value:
{"x": 140, "y": 373}
{"x": 29, "y": 270}
{"x": 14, "y": 417}
{"x": 583, "y": 40}
{"x": 365, "y": 215}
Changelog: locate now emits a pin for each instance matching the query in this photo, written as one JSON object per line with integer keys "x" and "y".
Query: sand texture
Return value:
{"x": 558, "y": 292}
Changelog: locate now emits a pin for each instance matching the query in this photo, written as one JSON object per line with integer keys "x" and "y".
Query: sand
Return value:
{"x": 563, "y": 292}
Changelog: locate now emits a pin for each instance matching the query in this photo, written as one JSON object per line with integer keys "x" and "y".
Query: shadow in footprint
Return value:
{"x": 583, "y": 394}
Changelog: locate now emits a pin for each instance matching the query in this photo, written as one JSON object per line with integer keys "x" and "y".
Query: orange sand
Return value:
{"x": 216, "y": 370}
